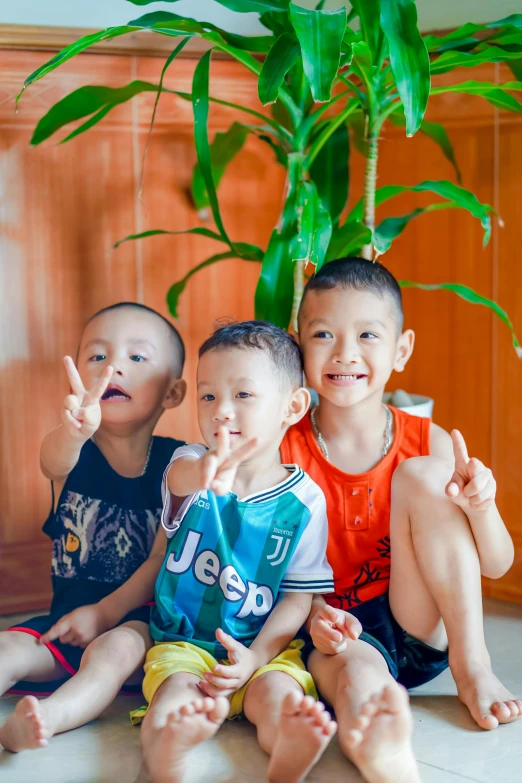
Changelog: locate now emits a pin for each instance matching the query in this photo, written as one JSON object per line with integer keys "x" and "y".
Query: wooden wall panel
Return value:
{"x": 63, "y": 207}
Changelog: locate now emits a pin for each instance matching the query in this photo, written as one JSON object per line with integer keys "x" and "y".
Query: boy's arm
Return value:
{"x": 81, "y": 417}
{"x": 472, "y": 487}
{"x": 86, "y": 623}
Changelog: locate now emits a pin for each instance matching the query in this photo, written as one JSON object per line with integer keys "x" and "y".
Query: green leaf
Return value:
{"x": 200, "y": 103}
{"x": 75, "y": 48}
{"x": 348, "y": 240}
{"x": 368, "y": 12}
{"x": 254, "y": 6}
{"x": 275, "y": 287}
{"x": 281, "y": 57}
{"x": 434, "y": 131}
{"x": 223, "y": 150}
{"x": 494, "y": 93}
{"x": 409, "y": 59}
{"x": 469, "y": 295}
{"x": 177, "y": 289}
{"x": 450, "y": 60}
{"x": 330, "y": 172}
{"x": 314, "y": 226}
{"x": 83, "y": 102}
{"x": 390, "y": 228}
{"x": 200, "y": 230}
{"x": 320, "y": 34}
{"x": 448, "y": 190}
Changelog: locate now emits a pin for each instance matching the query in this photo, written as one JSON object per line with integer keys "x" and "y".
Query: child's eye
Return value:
{"x": 208, "y": 397}
{"x": 368, "y": 336}
{"x": 98, "y": 357}
{"x": 137, "y": 358}
{"x": 243, "y": 395}
{"x": 323, "y": 335}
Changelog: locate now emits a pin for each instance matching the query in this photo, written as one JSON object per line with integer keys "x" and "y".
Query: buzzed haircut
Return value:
{"x": 179, "y": 346}
{"x": 361, "y": 275}
{"x": 280, "y": 347}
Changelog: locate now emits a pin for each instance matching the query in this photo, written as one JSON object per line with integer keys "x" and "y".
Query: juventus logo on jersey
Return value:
{"x": 280, "y": 551}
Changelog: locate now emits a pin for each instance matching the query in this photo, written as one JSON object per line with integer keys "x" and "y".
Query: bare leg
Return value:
{"x": 106, "y": 663}
{"x": 178, "y": 719}
{"x": 383, "y": 731}
{"x": 292, "y": 728}
{"x": 22, "y": 658}
{"x": 435, "y": 586}
{"x": 348, "y": 681}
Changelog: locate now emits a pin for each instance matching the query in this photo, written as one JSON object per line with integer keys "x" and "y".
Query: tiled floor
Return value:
{"x": 448, "y": 745}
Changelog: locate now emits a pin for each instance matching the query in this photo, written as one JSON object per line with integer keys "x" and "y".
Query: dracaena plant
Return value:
{"x": 328, "y": 79}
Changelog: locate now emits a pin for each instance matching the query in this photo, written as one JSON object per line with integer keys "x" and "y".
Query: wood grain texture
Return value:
{"x": 63, "y": 207}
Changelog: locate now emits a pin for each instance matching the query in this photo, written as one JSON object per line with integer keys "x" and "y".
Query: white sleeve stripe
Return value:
{"x": 295, "y": 589}
{"x": 322, "y": 583}
{"x": 323, "y": 576}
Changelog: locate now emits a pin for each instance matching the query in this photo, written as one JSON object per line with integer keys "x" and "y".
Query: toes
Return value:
{"x": 220, "y": 710}
{"x": 353, "y": 738}
{"x": 188, "y": 709}
{"x": 518, "y": 702}
{"x": 395, "y": 698}
{"x": 370, "y": 708}
{"x": 292, "y": 703}
{"x": 488, "y": 722}
{"x": 362, "y": 722}
{"x": 505, "y": 710}
{"x": 330, "y": 729}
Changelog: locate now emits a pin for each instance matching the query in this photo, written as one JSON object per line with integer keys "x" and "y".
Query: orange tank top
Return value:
{"x": 358, "y": 506}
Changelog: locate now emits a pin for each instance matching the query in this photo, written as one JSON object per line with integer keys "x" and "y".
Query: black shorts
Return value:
{"x": 68, "y": 655}
{"x": 410, "y": 661}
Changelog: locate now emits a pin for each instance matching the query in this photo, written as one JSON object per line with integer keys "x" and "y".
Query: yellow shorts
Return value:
{"x": 167, "y": 658}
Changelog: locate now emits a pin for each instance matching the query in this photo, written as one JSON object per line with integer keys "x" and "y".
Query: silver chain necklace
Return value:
{"x": 387, "y": 435}
{"x": 146, "y": 461}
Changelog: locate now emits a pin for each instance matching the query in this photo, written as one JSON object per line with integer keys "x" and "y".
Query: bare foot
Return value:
{"x": 305, "y": 729}
{"x": 165, "y": 749}
{"x": 380, "y": 743}
{"x": 26, "y": 728}
{"x": 489, "y": 702}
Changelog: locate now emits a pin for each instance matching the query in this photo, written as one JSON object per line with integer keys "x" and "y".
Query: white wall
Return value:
{"x": 102, "y": 13}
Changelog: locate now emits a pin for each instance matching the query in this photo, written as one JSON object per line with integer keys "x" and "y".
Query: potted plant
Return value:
{"x": 329, "y": 78}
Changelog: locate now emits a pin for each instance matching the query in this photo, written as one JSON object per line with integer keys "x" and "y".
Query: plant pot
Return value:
{"x": 416, "y": 404}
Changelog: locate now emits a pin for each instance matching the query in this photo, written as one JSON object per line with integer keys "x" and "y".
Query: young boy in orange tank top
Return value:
{"x": 422, "y": 608}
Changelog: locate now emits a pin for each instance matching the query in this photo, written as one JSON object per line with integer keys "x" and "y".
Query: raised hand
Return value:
{"x": 330, "y": 628}
{"x": 472, "y": 486}
{"x": 224, "y": 680}
{"x": 79, "y": 628}
{"x": 82, "y": 411}
{"x": 219, "y": 466}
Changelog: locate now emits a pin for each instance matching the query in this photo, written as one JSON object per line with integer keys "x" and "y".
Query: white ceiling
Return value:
{"x": 433, "y": 14}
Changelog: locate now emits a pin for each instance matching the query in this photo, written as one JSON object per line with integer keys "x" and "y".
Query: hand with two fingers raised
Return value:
{"x": 472, "y": 486}
{"x": 81, "y": 413}
{"x": 330, "y": 629}
{"x": 218, "y": 466}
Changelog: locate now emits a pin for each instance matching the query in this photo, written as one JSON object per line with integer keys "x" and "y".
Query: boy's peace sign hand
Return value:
{"x": 81, "y": 414}
{"x": 219, "y": 466}
{"x": 472, "y": 486}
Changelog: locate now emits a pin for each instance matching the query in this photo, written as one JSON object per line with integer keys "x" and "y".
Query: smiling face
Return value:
{"x": 350, "y": 344}
{"x": 140, "y": 348}
{"x": 240, "y": 389}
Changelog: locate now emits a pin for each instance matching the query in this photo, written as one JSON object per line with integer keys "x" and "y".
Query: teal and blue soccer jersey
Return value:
{"x": 228, "y": 560}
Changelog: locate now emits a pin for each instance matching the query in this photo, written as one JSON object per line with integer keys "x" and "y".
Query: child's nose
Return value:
{"x": 223, "y": 413}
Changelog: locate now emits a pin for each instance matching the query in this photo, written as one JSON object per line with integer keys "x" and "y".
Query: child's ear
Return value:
{"x": 175, "y": 393}
{"x": 405, "y": 345}
{"x": 297, "y": 406}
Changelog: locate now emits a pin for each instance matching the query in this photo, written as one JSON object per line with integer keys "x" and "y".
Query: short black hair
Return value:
{"x": 280, "y": 346}
{"x": 361, "y": 275}
{"x": 179, "y": 345}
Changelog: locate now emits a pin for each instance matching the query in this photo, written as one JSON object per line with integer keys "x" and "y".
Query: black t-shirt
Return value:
{"x": 104, "y": 525}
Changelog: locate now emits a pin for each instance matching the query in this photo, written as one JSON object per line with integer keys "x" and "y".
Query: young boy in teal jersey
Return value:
{"x": 407, "y": 552}
{"x": 105, "y": 467}
{"x": 246, "y": 553}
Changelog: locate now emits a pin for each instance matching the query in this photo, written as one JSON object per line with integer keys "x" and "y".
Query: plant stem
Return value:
{"x": 298, "y": 291}
{"x": 370, "y": 183}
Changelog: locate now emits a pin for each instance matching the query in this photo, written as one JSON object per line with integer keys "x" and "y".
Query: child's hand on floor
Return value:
{"x": 78, "y": 628}
{"x": 224, "y": 680}
{"x": 472, "y": 486}
{"x": 219, "y": 466}
{"x": 330, "y": 628}
{"x": 81, "y": 414}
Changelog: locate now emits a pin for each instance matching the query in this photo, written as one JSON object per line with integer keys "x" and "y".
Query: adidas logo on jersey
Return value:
{"x": 201, "y": 503}
{"x": 208, "y": 570}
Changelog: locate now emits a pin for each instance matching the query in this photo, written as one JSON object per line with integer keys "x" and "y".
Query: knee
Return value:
{"x": 121, "y": 648}
{"x": 421, "y": 478}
